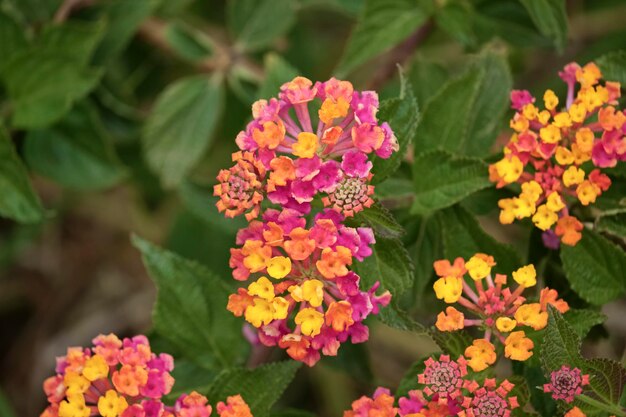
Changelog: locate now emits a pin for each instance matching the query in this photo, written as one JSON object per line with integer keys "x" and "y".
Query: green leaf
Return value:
{"x": 189, "y": 377}
{"x": 179, "y": 130}
{"x": 277, "y": 72}
{"x": 257, "y": 23}
{"x": 380, "y": 220}
{"x": 613, "y": 66}
{"x": 427, "y": 78}
{"x": 561, "y": 345}
{"x": 582, "y": 320}
{"x": 6, "y": 410}
{"x": 441, "y": 180}
{"x": 409, "y": 380}
{"x": 463, "y": 236}
{"x": 76, "y": 153}
{"x": 382, "y": 24}
{"x": 402, "y": 114}
{"x": 456, "y": 18}
{"x": 188, "y": 42}
{"x": 427, "y": 249}
{"x": 612, "y": 222}
{"x": 550, "y": 17}
{"x": 18, "y": 201}
{"x": 394, "y": 317}
{"x": 190, "y": 311}
{"x": 465, "y": 116}
{"x": 389, "y": 263}
{"x": 595, "y": 268}
{"x": 45, "y": 80}
{"x": 123, "y": 17}
{"x": 260, "y": 387}
{"x": 452, "y": 343}
{"x": 520, "y": 390}
{"x": 12, "y": 37}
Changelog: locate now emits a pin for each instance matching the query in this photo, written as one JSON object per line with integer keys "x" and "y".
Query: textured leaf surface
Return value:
{"x": 595, "y": 268}
{"x": 18, "y": 201}
{"x": 260, "y": 387}
{"x": 382, "y": 24}
{"x": 613, "y": 223}
{"x": 582, "y": 320}
{"x": 463, "y": 236}
{"x": 277, "y": 72}
{"x": 180, "y": 128}
{"x": 402, "y": 114}
{"x": 190, "y": 310}
{"x": 452, "y": 343}
{"x": 442, "y": 179}
{"x": 380, "y": 220}
{"x": 76, "y": 153}
{"x": 389, "y": 263}
{"x": 613, "y": 66}
{"x": 393, "y": 316}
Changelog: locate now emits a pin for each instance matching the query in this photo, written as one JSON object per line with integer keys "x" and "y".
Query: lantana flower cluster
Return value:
{"x": 491, "y": 306}
{"x": 123, "y": 378}
{"x": 447, "y": 391}
{"x": 312, "y": 142}
{"x": 558, "y": 151}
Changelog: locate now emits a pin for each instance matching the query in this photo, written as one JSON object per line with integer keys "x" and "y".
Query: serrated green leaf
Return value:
{"x": 612, "y": 222}
{"x": 520, "y": 390}
{"x": 441, "y": 180}
{"x": 561, "y": 344}
{"x": 190, "y": 311}
{"x": 45, "y": 80}
{"x": 18, "y": 201}
{"x": 608, "y": 378}
{"x": 180, "y": 128}
{"x": 382, "y": 24}
{"x": 402, "y": 114}
{"x": 394, "y": 317}
{"x": 452, "y": 343}
{"x": 380, "y": 220}
{"x": 409, "y": 380}
{"x": 389, "y": 263}
{"x": 427, "y": 249}
{"x": 550, "y": 17}
{"x": 582, "y": 320}
{"x": 277, "y": 72}
{"x": 257, "y": 23}
{"x": 463, "y": 236}
{"x": 427, "y": 78}
{"x": 613, "y": 66}
{"x": 189, "y": 377}
{"x": 76, "y": 153}
{"x": 595, "y": 268}
{"x": 464, "y": 117}
{"x": 260, "y": 387}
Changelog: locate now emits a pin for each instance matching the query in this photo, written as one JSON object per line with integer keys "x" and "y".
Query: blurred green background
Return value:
{"x": 117, "y": 114}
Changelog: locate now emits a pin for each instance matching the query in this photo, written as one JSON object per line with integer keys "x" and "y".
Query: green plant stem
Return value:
{"x": 611, "y": 408}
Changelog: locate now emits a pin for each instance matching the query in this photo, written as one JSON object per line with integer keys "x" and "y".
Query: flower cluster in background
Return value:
{"x": 447, "y": 391}
{"x": 496, "y": 309}
{"x": 123, "y": 378}
{"x": 557, "y": 153}
{"x": 302, "y": 294}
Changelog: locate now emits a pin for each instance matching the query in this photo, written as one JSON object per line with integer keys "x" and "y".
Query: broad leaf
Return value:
{"x": 380, "y": 220}
{"x": 180, "y": 127}
{"x": 402, "y": 114}
{"x": 595, "y": 268}
{"x": 394, "y": 317}
{"x": 465, "y": 116}
{"x": 426, "y": 250}
{"x": 45, "y": 80}
{"x": 463, "y": 236}
{"x": 550, "y": 17}
{"x": 260, "y": 387}
{"x": 409, "y": 380}
{"x": 613, "y": 66}
{"x": 426, "y": 78}
{"x": 12, "y": 37}
{"x": 582, "y": 320}
{"x": 256, "y": 23}
{"x": 456, "y": 18}
{"x": 382, "y": 25}
{"x": 441, "y": 180}
{"x": 277, "y": 72}
{"x": 190, "y": 311}
{"x": 612, "y": 222}
{"x": 76, "y": 153}
{"x": 389, "y": 263}
{"x": 452, "y": 343}
{"x": 18, "y": 201}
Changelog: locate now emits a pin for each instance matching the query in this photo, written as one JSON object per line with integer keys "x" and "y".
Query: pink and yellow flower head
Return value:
{"x": 122, "y": 378}
{"x": 566, "y": 383}
{"x": 302, "y": 295}
{"x": 490, "y": 399}
{"x": 498, "y": 310}
{"x": 549, "y": 147}
{"x": 443, "y": 377}
{"x": 302, "y": 162}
